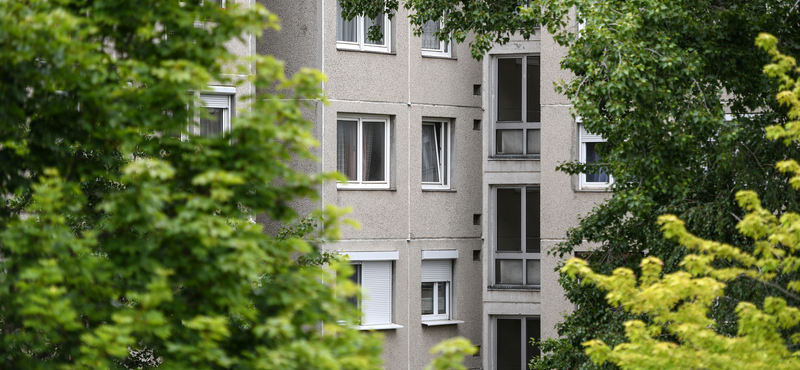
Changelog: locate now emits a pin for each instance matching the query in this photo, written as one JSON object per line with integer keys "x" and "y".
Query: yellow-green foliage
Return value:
{"x": 678, "y": 303}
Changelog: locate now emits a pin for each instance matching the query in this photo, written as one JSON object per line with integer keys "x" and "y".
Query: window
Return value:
{"x": 374, "y": 272}
{"x": 432, "y": 46}
{"x": 354, "y": 34}
{"x": 517, "y": 237}
{"x": 513, "y": 348}
{"x": 518, "y": 106}
{"x": 362, "y": 151}
{"x": 599, "y": 179}
{"x": 216, "y": 120}
{"x": 436, "y": 154}
{"x": 437, "y": 277}
{"x": 218, "y": 109}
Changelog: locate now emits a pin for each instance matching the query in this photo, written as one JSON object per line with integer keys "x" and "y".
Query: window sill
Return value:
{"x": 379, "y": 327}
{"x": 439, "y": 190}
{"x": 439, "y": 57}
{"x": 593, "y": 190}
{"x": 442, "y": 322}
{"x": 366, "y": 51}
{"x": 526, "y": 288}
{"x": 364, "y": 189}
{"x": 505, "y": 157}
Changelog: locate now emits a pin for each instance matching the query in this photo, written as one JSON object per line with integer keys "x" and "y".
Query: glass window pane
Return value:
{"x": 345, "y": 30}
{"x": 429, "y": 41}
{"x": 533, "y": 272}
{"x": 509, "y": 349}
{"x": 212, "y": 124}
{"x": 441, "y": 298}
{"x": 379, "y": 20}
{"x": 508, "y": 272}
{"x": 509, "y": 141}
{"x": 534, "y": 141}
{"x": 346, "y": 148}
{"x": 427, "y": 298}
{"x": 532, "y": 330}
{"x": 533, "y": 104}
{"x": 430, "y": 154}
{"x": 355, "y": 278}
{"x": 532, "y": 221}
{"x": 374, "y": 149}
{"x": 592, "y": 156}
{"x": 509, "y": 89}
{"x": 442, "y": 137}
{"x": 509, "y": 220}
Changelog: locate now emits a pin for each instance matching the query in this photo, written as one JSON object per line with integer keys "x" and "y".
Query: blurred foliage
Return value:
{"x": 124, "y": 246}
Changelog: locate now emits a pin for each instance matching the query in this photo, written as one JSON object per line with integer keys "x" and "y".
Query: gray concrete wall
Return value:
{"x": 562, "y": 203}
{"x": 406, "y": 87}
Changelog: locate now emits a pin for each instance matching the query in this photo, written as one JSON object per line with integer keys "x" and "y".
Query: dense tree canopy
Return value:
{"x": 656, "y": 79}
{"x": 121, "y": 232}
{"x": 677, "y": 304}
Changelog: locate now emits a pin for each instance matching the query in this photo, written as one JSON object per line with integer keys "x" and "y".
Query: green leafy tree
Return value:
{"x": 680, "y": 333}
{"x": 122, "y": 245}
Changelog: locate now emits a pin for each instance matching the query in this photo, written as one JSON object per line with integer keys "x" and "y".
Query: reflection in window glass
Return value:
{"x": 592, "y": 156}
{"x": 509, "y": 220}
{"x": 509, "y": 89}
{"x": 369, "y": 22}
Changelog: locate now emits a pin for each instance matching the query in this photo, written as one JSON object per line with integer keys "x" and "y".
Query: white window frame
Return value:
{"x": 586, "y": 137}
{"x": 515, "y": 125}
{"x": 362, "y": 36}
{"x": 522, "y": 254}
{"x": 221, "y": 97}
{"x": 444, "y": 155}
{"x": 359, "y": 182}
{"x": 445, "y": 49}
{"x": 524, "y": 338}
{"x": 377, "y": 271}
{"x": 437, "y": 268}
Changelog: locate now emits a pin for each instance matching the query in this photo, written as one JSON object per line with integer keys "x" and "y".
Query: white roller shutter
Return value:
{"x": 436, "y": 270}
{"x": 216, "y": 101}
{"x": 376, "y": 283}
{"x": 587, "y": 137}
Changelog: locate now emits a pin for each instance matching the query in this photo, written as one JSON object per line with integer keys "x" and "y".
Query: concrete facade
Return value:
{"x": 402, "y": 87}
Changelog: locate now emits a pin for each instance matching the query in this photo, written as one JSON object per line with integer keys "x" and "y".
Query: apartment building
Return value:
{"x": 450, "y": 167}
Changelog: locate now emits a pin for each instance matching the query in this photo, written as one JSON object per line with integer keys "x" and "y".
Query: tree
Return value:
{"x": 680, "y": 333}
{"x": 117, "y": 236}
{"x": 655, "y": 78}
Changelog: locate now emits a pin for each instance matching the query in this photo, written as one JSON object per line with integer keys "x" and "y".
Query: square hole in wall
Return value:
{"x": 476, "y": 89}
{"x": 478, "y": 353}
{"x": 476, "y": 219}
{"x": 476, "y": 255}
{"x": 476, "y": 125}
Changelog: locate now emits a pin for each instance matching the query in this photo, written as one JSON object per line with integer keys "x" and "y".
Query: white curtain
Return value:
{"x": 345, "y": 30}
{"x": 429, "y": 41}
{"x": 430, "y": 160}
{"x": 346, "y": 157}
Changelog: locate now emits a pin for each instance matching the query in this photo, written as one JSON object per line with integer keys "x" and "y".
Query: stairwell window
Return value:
{"x": 518, "y": 106}
{"x": 517, "y": 257}
{"x": 363, "y": 150}
{"x": 353, "y": 34}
